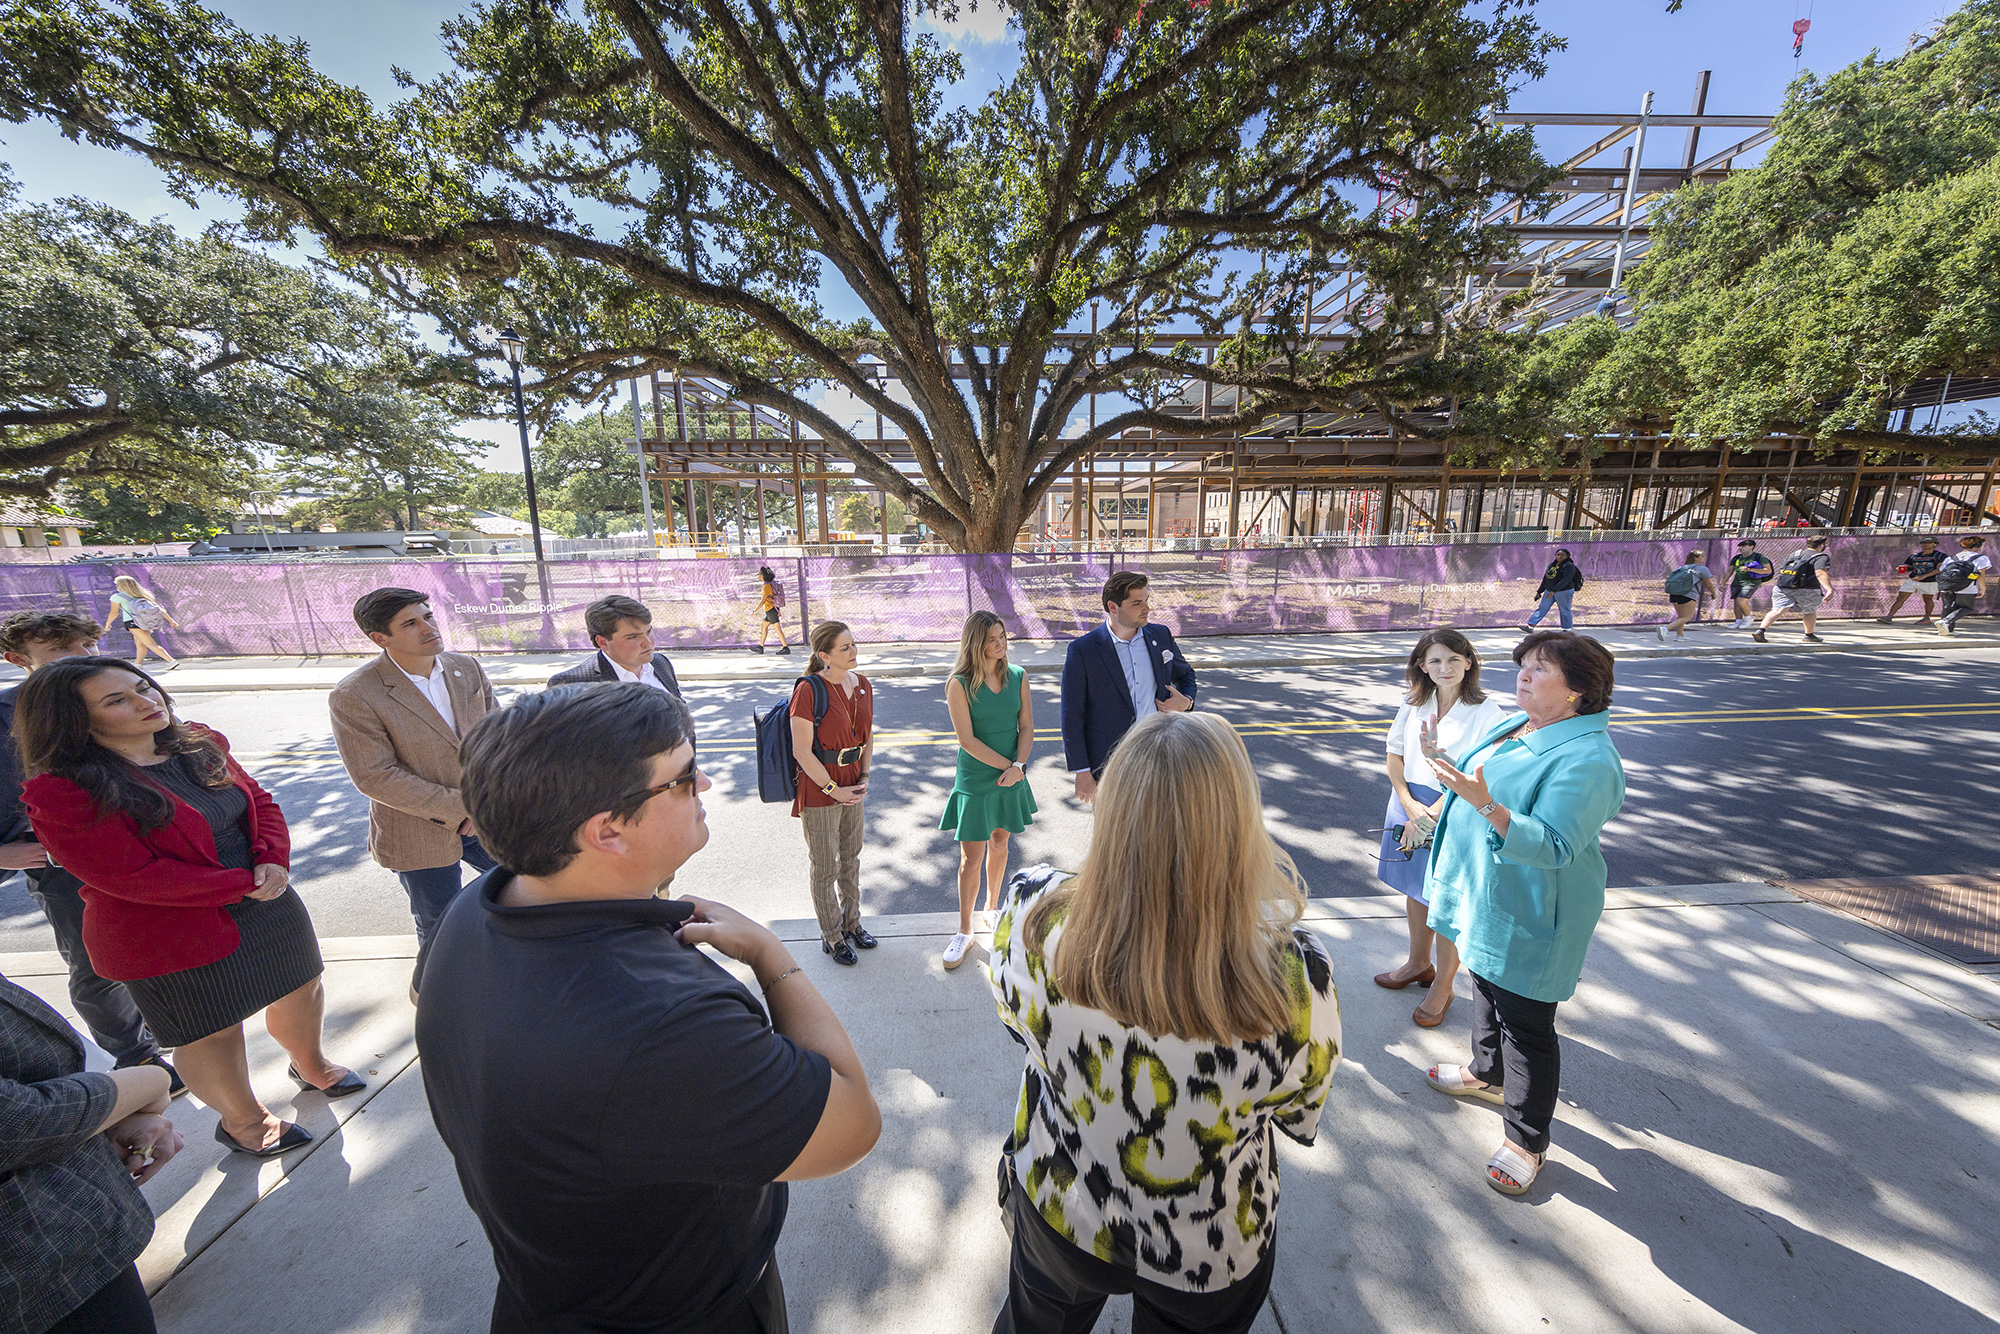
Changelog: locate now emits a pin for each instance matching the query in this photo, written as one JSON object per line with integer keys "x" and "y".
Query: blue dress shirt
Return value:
{"x": 1137, "y": 664}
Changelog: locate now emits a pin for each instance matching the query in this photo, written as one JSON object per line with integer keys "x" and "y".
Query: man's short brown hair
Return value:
{"x": 374, "y": 612}
{"x": 61, "y": 628}
{"x": 601, "y": 618}
{"x": 1120, "y": 586}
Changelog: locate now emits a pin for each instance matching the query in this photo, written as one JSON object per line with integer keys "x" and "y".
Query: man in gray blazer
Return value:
{"x": 621, "y": 629}
{"x": 397, "y": 723}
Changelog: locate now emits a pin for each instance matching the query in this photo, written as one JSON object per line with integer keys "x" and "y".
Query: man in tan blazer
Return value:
{"x": 397, "y": 723}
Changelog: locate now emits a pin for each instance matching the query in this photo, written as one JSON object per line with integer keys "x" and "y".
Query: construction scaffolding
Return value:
{"x": 1352, "y": 477}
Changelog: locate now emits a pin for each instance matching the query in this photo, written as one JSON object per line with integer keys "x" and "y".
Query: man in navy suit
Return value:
{"x": 1115, "y": 675}
{"x": 622, "y": 630}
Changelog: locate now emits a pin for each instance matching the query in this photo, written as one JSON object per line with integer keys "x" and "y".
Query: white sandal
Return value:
{"x": 1454, "y": 1080}
{"x": 1522, "y": 1168}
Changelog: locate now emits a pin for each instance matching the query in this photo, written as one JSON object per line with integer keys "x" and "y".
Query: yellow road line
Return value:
{"x": 911, "y": 739}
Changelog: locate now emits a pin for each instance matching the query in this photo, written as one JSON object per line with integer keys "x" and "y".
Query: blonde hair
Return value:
{"x": 970, "y": 669}
{"x": 1179, "y": 919}
{"x": 129, "y": 586}
{"x": 824, "y": 636}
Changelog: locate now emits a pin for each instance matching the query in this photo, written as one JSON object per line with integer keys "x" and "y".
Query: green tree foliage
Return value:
{"x": 134, "y": 355}
{"x": 390, "y": 462}
{"x": 644, "y": 185}
{"x": 1797, "y": 297}
{"x": 116, "y": 515}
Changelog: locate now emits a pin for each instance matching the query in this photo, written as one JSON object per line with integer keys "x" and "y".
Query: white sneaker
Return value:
{"x": 1663, "y": 634}
{"x": 954, "y": 952}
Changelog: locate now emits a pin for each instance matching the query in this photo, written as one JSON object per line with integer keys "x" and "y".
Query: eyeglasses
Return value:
{"x": 646, "y": 794}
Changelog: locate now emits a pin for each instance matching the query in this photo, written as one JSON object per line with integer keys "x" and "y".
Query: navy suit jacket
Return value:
{"x": 597, "y": 668}
{"x": 13, "y": 815}
{"x": 1097, "y": 705}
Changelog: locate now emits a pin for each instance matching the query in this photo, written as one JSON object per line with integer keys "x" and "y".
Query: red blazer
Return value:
{"x": 152, "y": 902}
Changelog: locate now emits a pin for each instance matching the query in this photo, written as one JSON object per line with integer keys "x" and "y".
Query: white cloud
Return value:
{"x": 977, "y": 20}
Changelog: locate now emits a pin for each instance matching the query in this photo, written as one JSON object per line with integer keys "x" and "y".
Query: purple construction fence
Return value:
{"x": 303, "y": 608}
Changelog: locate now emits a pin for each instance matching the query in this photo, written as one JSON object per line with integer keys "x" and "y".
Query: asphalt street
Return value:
{"x": 1738, "y": 768}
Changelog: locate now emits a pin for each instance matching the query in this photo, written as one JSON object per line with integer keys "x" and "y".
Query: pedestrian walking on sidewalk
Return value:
{"x": 80, "y": 1139}
{"x": 1443, "y": 692}
{"x": 1960, "y": 581}
{"x": 623, "y": 1113}
{"x": 142, "y": 617}
{"x": 186, "y": 884}
{"x": 1685, "y": 586}
{"x": 32, "y": 640}
{"x": 397, "y": 723}
{"x": 1799, "y": 588}
{"x": 1749, "y": 570}
{"x": 1559, "y": 584}
{"x": 1174, "y": 956}
{"x": 991, "y": 799}
{"x": 1920, "y": 579}
{"x": 833, "y": 762}
{"x": 1517, "y": 882}
{"x": 771, "y": 601}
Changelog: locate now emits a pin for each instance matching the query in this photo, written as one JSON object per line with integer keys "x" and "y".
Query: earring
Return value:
{"x": 1572, "y": 699}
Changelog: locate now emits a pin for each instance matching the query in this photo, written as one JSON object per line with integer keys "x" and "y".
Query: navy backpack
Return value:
{"x": 777, "y": 771}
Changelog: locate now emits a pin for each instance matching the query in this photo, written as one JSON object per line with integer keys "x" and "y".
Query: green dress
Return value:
{"x": 978, "y": 804}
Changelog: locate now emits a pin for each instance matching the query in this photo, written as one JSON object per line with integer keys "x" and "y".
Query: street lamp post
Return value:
{"x": 512, "y": 344}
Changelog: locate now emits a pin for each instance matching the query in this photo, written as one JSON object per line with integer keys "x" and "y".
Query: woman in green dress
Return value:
{"x": 990, "y": 798}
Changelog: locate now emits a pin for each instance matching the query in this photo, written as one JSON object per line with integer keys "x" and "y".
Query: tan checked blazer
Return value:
{"x": 404, "y": 757}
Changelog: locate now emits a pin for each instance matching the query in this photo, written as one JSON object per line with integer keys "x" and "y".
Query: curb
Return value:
{"x": 691, "y": 674}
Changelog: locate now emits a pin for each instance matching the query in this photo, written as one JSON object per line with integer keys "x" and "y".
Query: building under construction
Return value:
{"x": 1350, "y": 476}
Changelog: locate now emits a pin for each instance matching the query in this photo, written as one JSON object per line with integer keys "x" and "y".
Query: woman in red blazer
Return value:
{"x": 186, "y": 892}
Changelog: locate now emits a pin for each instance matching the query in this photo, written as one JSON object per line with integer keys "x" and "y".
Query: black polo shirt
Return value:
{"x": 617, "y": 1105}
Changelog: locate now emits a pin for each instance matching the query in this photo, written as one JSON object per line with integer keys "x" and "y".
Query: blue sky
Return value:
{"x": 1618, "y": 49}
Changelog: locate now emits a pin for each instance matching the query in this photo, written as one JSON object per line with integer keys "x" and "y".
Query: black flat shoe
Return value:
{"x": 346, "y": 1086}
{"x": 842, "y": 953}
{"x": 861, "y": 939}
{"x": 292, "y": 1137}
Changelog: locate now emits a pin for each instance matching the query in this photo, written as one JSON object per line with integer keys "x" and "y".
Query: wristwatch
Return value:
{"x": 827, "y": 788}
{"x": 1488, "y": 808}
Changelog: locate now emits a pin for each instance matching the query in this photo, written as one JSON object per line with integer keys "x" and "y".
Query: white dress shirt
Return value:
{"x": 436, "y": 691}
{"x": 645, "y": 676}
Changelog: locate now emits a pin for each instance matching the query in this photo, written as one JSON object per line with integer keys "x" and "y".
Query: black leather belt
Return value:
{"x": 852, "y": 755}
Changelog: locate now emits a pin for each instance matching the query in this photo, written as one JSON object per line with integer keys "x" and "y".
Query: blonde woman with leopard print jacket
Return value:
{"x": 1174, "y": 1015}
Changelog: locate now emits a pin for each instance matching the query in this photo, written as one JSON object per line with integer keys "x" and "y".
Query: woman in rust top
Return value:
{"x": 832, "y": 759}
{"x": 187, "y": 894}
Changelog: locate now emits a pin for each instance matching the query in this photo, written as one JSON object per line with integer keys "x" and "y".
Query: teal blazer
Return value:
{"x": 1522, "y": 909}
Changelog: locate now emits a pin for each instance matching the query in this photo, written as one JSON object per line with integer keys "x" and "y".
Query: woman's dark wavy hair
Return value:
{"x": 1421, "y": 687}
{"x": 52, "y": 730}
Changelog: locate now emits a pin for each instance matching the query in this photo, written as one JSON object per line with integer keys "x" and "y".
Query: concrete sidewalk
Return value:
{"x": 1774, "y": 1117}
{"x": 1207, "y": 653}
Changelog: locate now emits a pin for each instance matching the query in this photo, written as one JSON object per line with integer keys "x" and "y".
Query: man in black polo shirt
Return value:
{"x": 622, "y": 1114}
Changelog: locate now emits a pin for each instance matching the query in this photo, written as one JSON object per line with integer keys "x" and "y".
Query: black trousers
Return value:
{"x": 107, "y": 1008}
{"x": 1955, "y": 606}
{"x": 1514, "y": 1048}
{"x": 119, "y": 1307}
{"x": 1054, "y": 1287}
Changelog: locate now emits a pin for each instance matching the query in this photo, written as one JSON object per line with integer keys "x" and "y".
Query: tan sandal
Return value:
{"x": 1512, "y": 1172}
{"x": 1452, "y": 1079}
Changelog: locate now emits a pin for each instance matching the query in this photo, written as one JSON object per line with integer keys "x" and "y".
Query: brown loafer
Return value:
{"x": 1423, "y": 979}
{"x": 1418, "y": 1014}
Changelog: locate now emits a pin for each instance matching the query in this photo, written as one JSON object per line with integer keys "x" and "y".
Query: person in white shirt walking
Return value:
{"x": 397, "y": 723}
{"x": 621, "y": 629}
{"x": 1960, "y": 581}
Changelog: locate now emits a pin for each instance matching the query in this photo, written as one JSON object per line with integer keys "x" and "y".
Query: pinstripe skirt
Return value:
{"x": 277, "y": 955}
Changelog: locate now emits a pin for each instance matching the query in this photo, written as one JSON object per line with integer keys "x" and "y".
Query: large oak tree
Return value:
{"x": 667, "y": 185}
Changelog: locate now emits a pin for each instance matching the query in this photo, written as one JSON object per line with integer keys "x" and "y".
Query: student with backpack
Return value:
{"x": 1684, "y": 588}
{"x": 1559, "y": 584}
{"x": 1958, "y": 581}
{"x": 1919, "y": 570}
{"x": 832, "y": 726}
{"x": 141, "y": 615}
{"x": 1749, "y": 570}
{"x": 1799, "y": 588}
{"x": 773, "y": 607}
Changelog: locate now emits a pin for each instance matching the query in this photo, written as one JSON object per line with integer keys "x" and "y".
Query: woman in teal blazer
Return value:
{"x": 1517, "y": 881}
